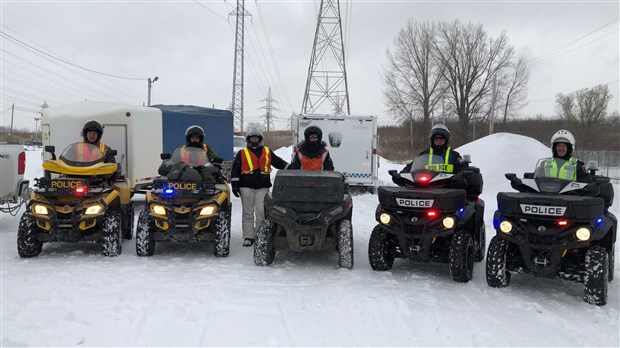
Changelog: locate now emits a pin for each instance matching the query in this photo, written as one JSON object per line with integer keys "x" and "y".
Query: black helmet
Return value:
{"x": 92, "y": 126}
{"x": 194, "y": 130}
{"x": 313, "y": 130}
{"x": 254, "y": 132}
{"x": 440, "y": 130}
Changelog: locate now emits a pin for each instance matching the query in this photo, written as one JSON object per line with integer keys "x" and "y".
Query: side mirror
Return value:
{"x": 393, "y": 172}
{"x": 510, "y": 176}
{"x": 164, "y": 156}
{"x": 592, "y": 167}
{"x": 51, "y": 149}
{"x": 467, "y": 158}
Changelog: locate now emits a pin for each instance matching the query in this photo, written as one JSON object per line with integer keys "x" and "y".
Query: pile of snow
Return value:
{"x": 184, "y": 296}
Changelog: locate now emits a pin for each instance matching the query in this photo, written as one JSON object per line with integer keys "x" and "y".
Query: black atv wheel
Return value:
{"x": 461, "y": 257}
{"x": 128, "y": 223}
{"x": 345, "y": 244}
{"x": 611, "y": 257}
{"x": 481, "y": 245}
{"x": 264, "y": 251}
{"x": 381, "y": 249}
{"x": 222, "y": 234}
{"x": 497, "y": 274}
{"x": 597, "y": 276}
{"x": 111, "y": 232}
{"x": 145, "y": 245}
{"x": 27, "y": 243}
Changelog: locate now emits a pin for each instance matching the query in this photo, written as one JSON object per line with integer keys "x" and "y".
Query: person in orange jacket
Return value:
{"x": 311, "y": 153}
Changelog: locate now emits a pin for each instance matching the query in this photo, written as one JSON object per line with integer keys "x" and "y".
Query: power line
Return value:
{"x": 67, "y": 62}
{"x": 550, "y": 54}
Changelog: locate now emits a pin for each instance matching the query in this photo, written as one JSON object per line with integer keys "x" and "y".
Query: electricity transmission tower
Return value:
{"x": 269, "y": 108}
{"x": 328, "y": 83}
{"x": 237, "y": 95}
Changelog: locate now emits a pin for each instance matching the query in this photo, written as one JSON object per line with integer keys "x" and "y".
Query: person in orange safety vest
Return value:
{"x": 251, "y": 179}
{"x": 311, "y": 153}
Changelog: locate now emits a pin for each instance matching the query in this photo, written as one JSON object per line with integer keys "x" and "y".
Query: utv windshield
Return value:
{"x": 81, "y": 154}
{"x": 555, "y": 168}
{"x": 434, "y": 163}
{"x": 193, "y": 156}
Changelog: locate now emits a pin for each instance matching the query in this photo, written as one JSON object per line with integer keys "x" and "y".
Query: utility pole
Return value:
{"x": 269, "y": 108}
{"x": 12, "y": 114}
{"x": 151, "y": 81}
{"x": 237, "y": 93}
{"x": 330, "y": 82}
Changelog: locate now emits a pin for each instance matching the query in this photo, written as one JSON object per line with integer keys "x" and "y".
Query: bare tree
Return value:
{"x": 587, "y": 106}
{"x": 471, "y": 59}
{"x": 513, "y": 89}
{"x": 413, "y": 73}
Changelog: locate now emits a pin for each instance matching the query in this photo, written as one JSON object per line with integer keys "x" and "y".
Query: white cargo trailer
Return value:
{"x": 352, "y": 144}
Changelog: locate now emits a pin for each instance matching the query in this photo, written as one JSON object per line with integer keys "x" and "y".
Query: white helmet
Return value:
{"x": 563, "y": 136}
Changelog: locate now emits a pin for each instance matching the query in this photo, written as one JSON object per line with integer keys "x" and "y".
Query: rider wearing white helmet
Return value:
{"x": 562, "y": 147}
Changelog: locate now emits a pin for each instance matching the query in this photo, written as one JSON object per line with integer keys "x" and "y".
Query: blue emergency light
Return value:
{"x": 168, "y": 191}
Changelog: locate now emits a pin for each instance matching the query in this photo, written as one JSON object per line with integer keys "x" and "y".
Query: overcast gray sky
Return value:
{"x": 190, "y": 47}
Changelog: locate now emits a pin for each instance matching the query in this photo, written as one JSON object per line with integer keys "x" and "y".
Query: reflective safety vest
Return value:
{"x": 568, "y": 170}
{"x": 83, "y": 153}
{"x": 445, "y": 167}
{"x": 249, "y": 161}
{"x": 308, "y": 163}
{"x": 185, "y": 155}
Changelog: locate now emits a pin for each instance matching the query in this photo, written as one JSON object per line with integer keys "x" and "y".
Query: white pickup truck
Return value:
{"x": 13, "y": 187}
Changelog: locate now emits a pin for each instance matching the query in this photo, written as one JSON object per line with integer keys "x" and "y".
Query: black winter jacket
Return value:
{"x": 312, "y": 151}
{"x": 256, "y": 179}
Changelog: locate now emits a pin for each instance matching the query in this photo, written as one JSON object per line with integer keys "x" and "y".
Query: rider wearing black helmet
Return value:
{"x": 91, "y": 133}
{"x": 194, "y": 137}
{"x": 439, "y": 139}
{"x": 311, "y": 153}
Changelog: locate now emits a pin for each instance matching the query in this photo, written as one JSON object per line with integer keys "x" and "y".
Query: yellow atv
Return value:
{"x": 80, "y": 198}
{"x": 192, "y": 204}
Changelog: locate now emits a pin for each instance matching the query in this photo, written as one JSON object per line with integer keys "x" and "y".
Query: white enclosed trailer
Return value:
{"x": 352, "y": 144}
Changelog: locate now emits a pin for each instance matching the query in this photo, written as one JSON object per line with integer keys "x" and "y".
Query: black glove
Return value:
{"x": 217, "y": 160}
{"x": 235, "y": 188}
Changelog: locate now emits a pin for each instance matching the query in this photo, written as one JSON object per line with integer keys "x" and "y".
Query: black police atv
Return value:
{"x": 554, "y": 228}
{"x": 192, "y": 204}
{"x": 80, "y": 198}
{"x": 306, "y": 211}
{"x": 431, "y": 216}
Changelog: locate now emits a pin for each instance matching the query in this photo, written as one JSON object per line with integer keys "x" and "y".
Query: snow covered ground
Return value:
{"x": 183, "y": 296}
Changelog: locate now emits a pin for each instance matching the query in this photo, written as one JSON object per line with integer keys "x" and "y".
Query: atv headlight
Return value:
{"x": 208, "y": 210}
{"x": 39, "y": 209}
{"x": 448, "y": 222}
{"x": 158, "y": 209}
{"x": 385, "y": 218}
{"x": 583, "y": 233}
{"x": 505, "y": 226}
{"x": 94, "y": 209}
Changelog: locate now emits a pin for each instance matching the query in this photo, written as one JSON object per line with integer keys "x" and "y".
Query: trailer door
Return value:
{"x": 350, "y": 145}
{"x": 115, "y": 136}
